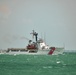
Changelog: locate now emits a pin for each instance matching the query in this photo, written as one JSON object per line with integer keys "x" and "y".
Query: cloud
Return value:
{"x": 4, "y": 12}
{"x": 4, "y": 9}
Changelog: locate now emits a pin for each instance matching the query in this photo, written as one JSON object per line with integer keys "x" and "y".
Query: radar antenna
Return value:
{"x": 35, "y": 34}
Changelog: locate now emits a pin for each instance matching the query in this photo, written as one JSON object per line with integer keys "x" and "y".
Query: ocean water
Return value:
{"x": 64, "y": 64}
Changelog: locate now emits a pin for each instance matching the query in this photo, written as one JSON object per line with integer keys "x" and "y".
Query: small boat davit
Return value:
{"x": 38, "y": 47}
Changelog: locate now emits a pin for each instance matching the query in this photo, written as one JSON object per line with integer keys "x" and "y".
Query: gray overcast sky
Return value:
{"x": 56, "y": 19}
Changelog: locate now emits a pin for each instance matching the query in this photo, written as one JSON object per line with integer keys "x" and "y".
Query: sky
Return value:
{"x": 54, "y": 20}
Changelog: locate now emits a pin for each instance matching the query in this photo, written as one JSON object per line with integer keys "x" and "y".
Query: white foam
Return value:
{"x": 14, "y": 54}
{"x": 47, "y": 67}
{"x": 58, "y": 62}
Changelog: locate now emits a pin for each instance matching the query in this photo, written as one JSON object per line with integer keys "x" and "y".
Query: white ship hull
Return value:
{"x": 39, "y": 52}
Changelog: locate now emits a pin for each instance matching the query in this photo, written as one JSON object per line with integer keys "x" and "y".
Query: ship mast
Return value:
{"x": 35, "y": 34}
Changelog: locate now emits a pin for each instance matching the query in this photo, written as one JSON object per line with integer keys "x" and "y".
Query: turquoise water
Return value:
{"x": 38, "y": 65}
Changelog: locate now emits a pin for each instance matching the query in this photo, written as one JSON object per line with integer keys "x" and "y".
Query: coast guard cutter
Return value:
{"x": 38, "y": 47}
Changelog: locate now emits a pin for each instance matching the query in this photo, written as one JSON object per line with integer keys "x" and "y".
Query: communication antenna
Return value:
{"x": 41, "y": 35}
{"x": 45, "y": 37}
